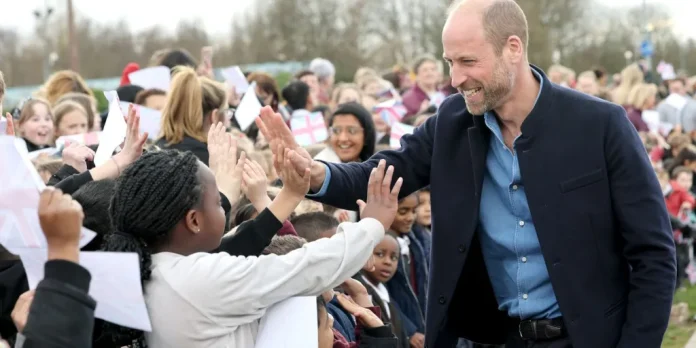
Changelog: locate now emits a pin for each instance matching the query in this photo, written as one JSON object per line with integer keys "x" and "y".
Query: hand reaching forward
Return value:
{"x": 60, "y": 218}
{"x": 381, "y": 202}
{"x": 364, "y": 315}
{"x": 222, "y": 149}
{"x": 76, "y": 156}
{"x": 294, "y": 182}
{"x": 254, "y": 184}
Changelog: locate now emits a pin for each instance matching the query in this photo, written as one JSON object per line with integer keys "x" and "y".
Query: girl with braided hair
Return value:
{"x": 166, "y": 207}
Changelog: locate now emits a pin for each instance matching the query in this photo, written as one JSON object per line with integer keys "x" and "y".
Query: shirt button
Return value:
{"x": 524, "y": 259}
{"x": 514, "y": 187}
{"x": 462, "y": 248}
{"x": 441, "y": 300}
{"x": 521, "y": 223}
{"x": 525, "y": 296}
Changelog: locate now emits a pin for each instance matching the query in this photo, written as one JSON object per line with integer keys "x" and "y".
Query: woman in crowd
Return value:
{"x": 352, "y": 136}
{"x": 193, "y": 105}
{"x": 642, "y": 97}
{"x": 61, "y": 83}
{"x": 631, "y": 76}
{"x": 417, "y": 99}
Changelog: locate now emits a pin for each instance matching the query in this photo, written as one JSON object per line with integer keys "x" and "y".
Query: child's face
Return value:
{"x": 326, "y": 322}
{"x": 72, "y": 123}
{"x": 423, "y": 209}
{"x": 38, "y": 128}
{"x": 386, "y": 256}
{"x": 684, "y": 180}
{"x": 405, "y": 215}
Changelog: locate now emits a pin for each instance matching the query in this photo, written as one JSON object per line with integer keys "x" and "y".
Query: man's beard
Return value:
{"x": 495, "y": 92}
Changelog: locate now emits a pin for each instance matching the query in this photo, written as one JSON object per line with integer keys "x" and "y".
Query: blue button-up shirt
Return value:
{"x": 509, "y": 240}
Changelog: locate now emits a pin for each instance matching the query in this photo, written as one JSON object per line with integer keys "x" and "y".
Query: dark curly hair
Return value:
{"x": 151, "y": 196}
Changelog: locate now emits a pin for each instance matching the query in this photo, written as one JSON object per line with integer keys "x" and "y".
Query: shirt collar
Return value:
{"x": 489, "y": 117}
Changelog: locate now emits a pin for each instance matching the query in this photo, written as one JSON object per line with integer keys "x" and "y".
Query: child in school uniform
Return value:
{"x": 409, "y": 285}
{"x": 386, "y": 257}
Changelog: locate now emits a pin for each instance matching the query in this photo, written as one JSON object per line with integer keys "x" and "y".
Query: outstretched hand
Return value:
{"x": 279, "y": 136}
{"x": 382, "y": 202}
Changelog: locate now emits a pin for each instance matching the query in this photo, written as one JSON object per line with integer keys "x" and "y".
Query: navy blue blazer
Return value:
{"x": 597, "y": 208}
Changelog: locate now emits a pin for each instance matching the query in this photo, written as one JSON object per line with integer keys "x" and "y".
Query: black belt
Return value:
{"x": 541, "y": 330}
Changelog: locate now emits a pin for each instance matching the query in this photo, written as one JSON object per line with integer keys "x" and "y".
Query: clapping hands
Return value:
{"x": 254, "y": 184}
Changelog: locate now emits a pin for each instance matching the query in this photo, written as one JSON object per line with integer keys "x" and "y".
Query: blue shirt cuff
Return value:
{"x": 324, "y": 186}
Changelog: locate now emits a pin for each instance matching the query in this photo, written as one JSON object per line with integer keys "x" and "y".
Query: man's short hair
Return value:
{"x": 281, "y": 245}
{"x": 501, "y": 19}
{"x": 303, "y": 73}
{"x": 296, "y": 94}
{"x": 311, "y": 226}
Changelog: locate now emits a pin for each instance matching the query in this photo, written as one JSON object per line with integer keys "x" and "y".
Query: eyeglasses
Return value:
{"x": 350, "y": 130}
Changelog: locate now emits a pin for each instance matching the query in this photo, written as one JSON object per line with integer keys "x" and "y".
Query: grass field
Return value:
{"x": 678, "y": 335}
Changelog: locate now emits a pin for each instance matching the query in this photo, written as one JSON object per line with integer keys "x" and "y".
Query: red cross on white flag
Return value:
{"x": 308, "y": 128}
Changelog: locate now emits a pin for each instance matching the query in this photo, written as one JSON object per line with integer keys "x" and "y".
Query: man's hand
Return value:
{"x": 278, "y": 135}
{"x": 417, "y": 340}
{"x": 20, "y": 313}
{"x": 76, "y": 156}
{"x": 381, "y": 202}
{"x": 60, "y": 218}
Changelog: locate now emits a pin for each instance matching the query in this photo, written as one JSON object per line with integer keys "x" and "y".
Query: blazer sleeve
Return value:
{"x": 252, "y": 236}
{"x": 62, "y": 313}
{"x": 72, "y": 183}
{"x": 644, "y": 225}
{"x": 345, "y": 183}
{"x": 62, "y": 173}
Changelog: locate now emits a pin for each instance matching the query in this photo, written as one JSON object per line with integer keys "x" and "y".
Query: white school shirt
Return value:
{"x": 216, "y": 300}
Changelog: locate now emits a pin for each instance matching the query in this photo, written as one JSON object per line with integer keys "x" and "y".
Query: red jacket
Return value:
{"x": 676, "y": 198}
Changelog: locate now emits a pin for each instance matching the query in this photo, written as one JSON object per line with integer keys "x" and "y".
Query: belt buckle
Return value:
{"x": 519, "y": 328}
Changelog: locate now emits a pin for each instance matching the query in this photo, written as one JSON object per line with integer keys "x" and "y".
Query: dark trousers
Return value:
{"x": 514, "y": 341}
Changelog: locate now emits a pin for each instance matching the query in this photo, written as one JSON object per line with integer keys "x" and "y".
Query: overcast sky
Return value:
{"x": 217, "y": 14}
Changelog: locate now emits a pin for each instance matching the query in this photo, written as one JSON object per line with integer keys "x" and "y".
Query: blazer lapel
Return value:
{"x": 478, "y": 145}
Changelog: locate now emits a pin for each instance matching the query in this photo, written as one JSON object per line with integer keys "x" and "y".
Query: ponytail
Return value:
{"x": 183, "y": 113}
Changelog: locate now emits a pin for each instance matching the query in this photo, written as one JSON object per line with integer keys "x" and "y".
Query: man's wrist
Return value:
{"x": 317, "y": 175}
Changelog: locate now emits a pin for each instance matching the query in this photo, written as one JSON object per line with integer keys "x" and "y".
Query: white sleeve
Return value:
{"x": 224, "y": 286}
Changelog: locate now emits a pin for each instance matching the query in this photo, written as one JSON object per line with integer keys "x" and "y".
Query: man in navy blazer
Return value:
{"x": 549, "y": 225}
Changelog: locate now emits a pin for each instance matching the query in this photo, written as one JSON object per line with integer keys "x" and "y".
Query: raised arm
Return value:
{"x": 341, "y": 185}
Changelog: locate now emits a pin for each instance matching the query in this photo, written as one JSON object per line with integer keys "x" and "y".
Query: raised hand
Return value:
{"x": 222, "y": 150}
{"x": 254, "y": 184}
{"x": 77, "y": 155}
{"x": 294, "y": 181}
{"x": 60, "y": 218}
{"x": 20, "y": 313}
{"x": 279, "y": 137}
{"x": 382, "y": 203}
{"x": 362, "y": 314}
{"x": 10, "y": 124}
{"x": 134, "y": 143}
{"x": 357, "y": 292}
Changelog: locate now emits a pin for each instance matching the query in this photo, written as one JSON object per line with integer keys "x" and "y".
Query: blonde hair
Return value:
{"x": 88, "y": 102}
{"x": 640, "y": 94}
{"x": 190, "y": 99}
{"x": 63, "y": 108}
{"x": 367, "y": 80}
{"x": 64, "y": 82}
{"x": 631, "y": 76}
{"x": 28, "y": 110}
{"x": 342, "y": 87}
{"x": 362, "y": 73}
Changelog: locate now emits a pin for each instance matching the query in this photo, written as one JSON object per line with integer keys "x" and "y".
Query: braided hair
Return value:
{"x": 151, "y": 197}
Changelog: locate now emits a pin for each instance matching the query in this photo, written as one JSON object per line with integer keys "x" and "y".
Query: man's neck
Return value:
{"x": 520, "y": 103}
